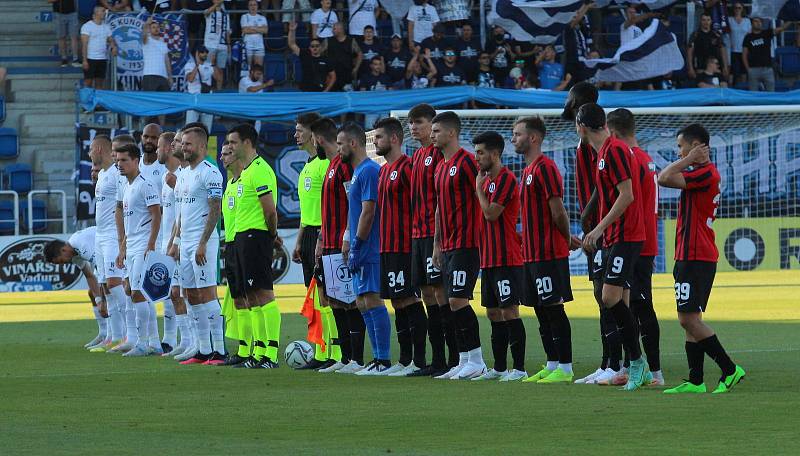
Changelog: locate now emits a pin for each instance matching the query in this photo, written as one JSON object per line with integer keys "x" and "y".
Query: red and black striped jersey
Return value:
{"x": 585, "y": 165}
{"x": 334, "y": 203}
{"x": 649, "y": 191}
{"x": 541, "y": 240}
{"x": 458, "y": 205}
{"x": 394, "y": 201}
{"x": 694, "y": 237}
{"x": 500, "y": 242}
{"x": 423, "y": 196}
{"x": 615, "y": 164}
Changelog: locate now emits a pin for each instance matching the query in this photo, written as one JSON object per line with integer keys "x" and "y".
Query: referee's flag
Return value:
{"x": 312, "y": 315}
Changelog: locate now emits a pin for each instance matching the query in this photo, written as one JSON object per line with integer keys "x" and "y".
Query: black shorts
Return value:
{"x": 642, "y": 281}
{"x": 547, "y": 282}
{"x": 422, "y": 270}
{"x": 319, "y": 274}
{"x": 595, "y": 264}
{"x": 619, "y": 261}
{"x": 396, "y": 276}
{"x": 254, "y": 250}
{"x": 153, "y": 83}
{"x": 232, "y": 271}
{"x": 97, "y": 69}
{"x": 308, "y": 245}
{"x": 460, "y": 272}
{"x": 501, "y": 286}
{"x": 693, "y": 282}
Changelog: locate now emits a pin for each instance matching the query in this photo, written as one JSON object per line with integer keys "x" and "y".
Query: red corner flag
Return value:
{"x": 312, "y": 315}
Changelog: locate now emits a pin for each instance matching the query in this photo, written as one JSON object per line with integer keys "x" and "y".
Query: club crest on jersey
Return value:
{"x": 428, "y": 161}
{"x": 393, "y": 176}
{"x": 239, "y": 190}
{"x": 529, "y": 179}
{"x": 453, "y": 171}
{"x": 491, "y": 187}
{"x": 330, "y": 174}
{"x": 307, "y": 184}
{"x": 651, "y": 166}
{"x": 601, "y": 164}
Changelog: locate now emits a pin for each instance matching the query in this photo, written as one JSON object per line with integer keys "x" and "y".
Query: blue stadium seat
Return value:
{"x": 9, "y": 143}
{"x": 385, "y": 29}
{"x": 18, "y": 177}
{"x": 7, "y": 217}
{"x": 303, "y": 34}
{"x": 39, "y": 215}
{"x": 274, "y": 133}
{"x": 788, "y": 60}
{"x": 611, "y": 24}
{"x": 781, "y": 85}
{"x": 276, "y": 38}
{"x": 297, "y": 69}
{"x": 86, "y": 8}
{"x": 275, "y": 67}
{"x": 2, "y": 110}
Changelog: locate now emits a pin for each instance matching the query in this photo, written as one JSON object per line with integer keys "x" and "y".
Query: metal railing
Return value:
{"x": 15, "y": 197}
{"x": 63, "y": 219}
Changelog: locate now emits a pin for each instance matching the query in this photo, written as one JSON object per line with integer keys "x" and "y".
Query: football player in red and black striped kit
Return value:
{"x": 546, "y": 242}
{"x": 501, "y": 258}
{"x": 620, "y": 229}
{"x": 426, "y": 276}
{"x": 622, "y": 125}
{"x": 394, "y": 201}
{"x": 456, "y": 240}
{"x": 349, "y": 323}
{"x": 696, "y": 257}
{"x": 585, "y": 164}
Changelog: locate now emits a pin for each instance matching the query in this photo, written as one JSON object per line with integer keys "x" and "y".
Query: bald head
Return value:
{"x": 100, "y": 151}
{"x": 150, "y": 136}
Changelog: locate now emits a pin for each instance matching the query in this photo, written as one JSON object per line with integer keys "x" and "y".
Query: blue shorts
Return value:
{"x": 368, "y": 279}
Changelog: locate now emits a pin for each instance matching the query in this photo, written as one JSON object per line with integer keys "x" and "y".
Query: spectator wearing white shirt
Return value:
{"x": 629, "y": 30}
{"x": 322, "y": 21}
{"x": 254, "y": 27}
{"x": 254, "y": 83}
{"x": 740, "y": 26}
{"x": 199, "y": 75}
{"x": 156, "y": 64}
{"x": 421, "y": 19}
{"x": 362, "y": 14}
{"x": 217, "y": 38}
{"x": 96, "y": 41}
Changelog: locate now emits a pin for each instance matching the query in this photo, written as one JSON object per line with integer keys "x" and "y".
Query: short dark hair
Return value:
{"x": 591, "y": 115}
{"x": 377, "y": 57}
{"x": 369, "y": 27}
{"x": 256, "y": 67}
{"x": 124, "y": 139}
{"x": 355, "y": 131}
{"x": 695, "y": 132}
{"x": 102, "y": 137}
{"x": 533, "y": 123}
{"x": 53, "y": 249}
{"x": 307, "y": 118}
{"x": 492, "y": 140}
{"x": 580, "y": 94}
{"x": 246, "y": 132}
{"x": 422, "y": 111}
{"x": 129, "y": 149}
{"x": 392, "y": 126}
{"x": 622, "y": 122}
{"x": 191, "y": 125}
{"x": 449, "y": 119}
{"x": 324, "y": 128}
{"x": 168, "y": 135}
{"x": 198, "y": 131}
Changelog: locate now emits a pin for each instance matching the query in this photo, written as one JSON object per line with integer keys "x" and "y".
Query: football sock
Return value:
{"x": 152, "y": 328}
{"x": 192, "y": 323}
{"x": 142, "y": 314}
{"x": 383, "y": 332}
{"x": 449, "y": 327}
{"x": 566, "y": 367}
{"x": 102, "y": 326}
{"x": 132, "y": 330}
{"x": 370, "y": 325}
{"x": 343, "y": 331}
{"x": 613, "y": 339}
{"x": 418, "y": 325}
{"x": 201, "y": 317}
{"x": 357, "y": 328}
{"x": 467, "y": 323}
{"x": 213, "y": 312}
{"x": 170, "y": 324}
{"x": 116, "y": 312}
{"x": 695, "y": 356}
{"x": 330, "y": 334}
{"x": 403, "y": 335}
{"x": 245, "y": 323}
{"x": 436, "y": 335}
{"x": 562, "y": 332}
{"x": 516, "y": 342}
{"x": 603, "y": 339}
{"x": 499, "y": 340}
{"x": 630, "y": 334}
{"x": 546, "y": 334}
{"x": 551, "y": 365}
{"x": 186, "y": 332}
{"x": 713, "y": 348}
{"x": 650, "y": 331}
{"x": 272, "y": 322}
{"x": 259, "y": 332}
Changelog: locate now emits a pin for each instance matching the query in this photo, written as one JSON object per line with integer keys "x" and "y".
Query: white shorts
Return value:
{"x": 220, "y": 56}
{"x": 106, "y": 252}
{"x": 256, "y": 51}
{"x": 192, "y": 274}
{"x": 135, "y": 261}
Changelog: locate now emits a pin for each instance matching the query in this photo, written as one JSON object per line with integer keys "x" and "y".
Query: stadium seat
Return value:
{"x": 782, "y": 86}
{"x": 18, "y": 177}
{"x": 788, "y": 60}
{"x": 275, "y": 67}
{"x": 677, "y": 25}
{"x": 611, "y": 24}
{"x": 86, "y": 7}
{"x": 297, "y": 68}
{"x": 7, "y": 217}
{"x": 2, "y": 109}
{"x": 276, "y": 38}
{"x": 9, "y": 143}
{"x": 385, "y": 30}
{"x": 39, "y": 215}
{"x": 303, "y": 34}
{"x": 274, "y": 133}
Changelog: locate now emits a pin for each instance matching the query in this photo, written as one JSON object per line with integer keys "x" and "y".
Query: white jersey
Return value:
{"x": 83, "y": 243}
{"x": 106, "y": 203}
{"x": 139, "y": 195}
{"x": 253, "y": 41}
{"x": 168, "y": 211}
{"x": 218, "y": 26}
{"x": 200, "y": 184}
{"x": 153, "y": 173}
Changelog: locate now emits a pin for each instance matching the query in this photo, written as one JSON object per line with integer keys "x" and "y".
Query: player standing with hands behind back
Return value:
{"x": 696, "y": 257}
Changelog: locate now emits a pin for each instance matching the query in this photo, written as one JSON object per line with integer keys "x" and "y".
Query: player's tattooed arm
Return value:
{"x": 214, "y": 208}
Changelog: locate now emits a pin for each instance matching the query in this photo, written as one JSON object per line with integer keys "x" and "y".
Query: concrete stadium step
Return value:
{"x": 43, "y": 96}
{"x": 48, "y": 81}
{"x": 43, "y": 61}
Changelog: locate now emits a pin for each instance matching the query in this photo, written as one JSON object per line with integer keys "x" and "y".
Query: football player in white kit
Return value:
{"x": 141, "y": 211}
{"x": 79, "y": 250}
{"x": 197, "y": 240}
{"x": 106, "y": 242}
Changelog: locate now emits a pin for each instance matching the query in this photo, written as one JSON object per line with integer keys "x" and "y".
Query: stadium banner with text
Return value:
{"x": 126, "y": 29}
{"x": 83, "y": 169}
{"x": 749, "y": 244}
